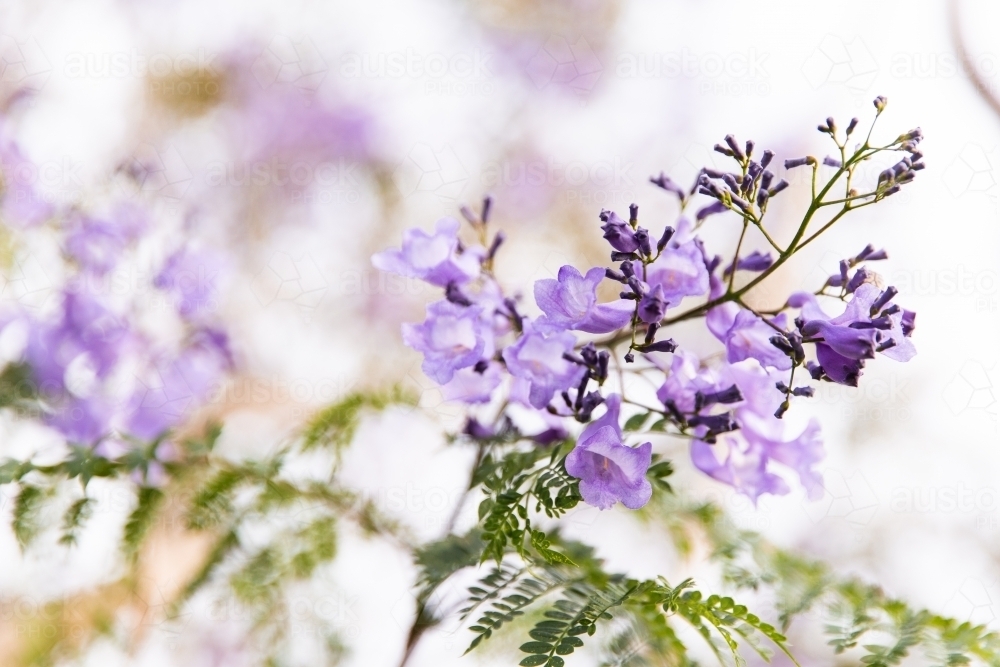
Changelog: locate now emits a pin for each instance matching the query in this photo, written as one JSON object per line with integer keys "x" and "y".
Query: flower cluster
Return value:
{"x": 486, "y": 348}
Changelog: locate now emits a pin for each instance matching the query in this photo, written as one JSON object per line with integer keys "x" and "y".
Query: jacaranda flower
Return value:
{"x": 432, "y": 257}
{"x": 452, "y": 337}
{"x": 537, "y": 364}
{"x": 610, "y": 471}
{"x": 570, "y": 302}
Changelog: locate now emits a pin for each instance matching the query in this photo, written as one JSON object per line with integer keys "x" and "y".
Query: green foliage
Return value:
{"x": 74, "y": 518}
{"x": 26, "y": 510}
{"x": 335, "y": 425}
{"x": 141, "y": 519}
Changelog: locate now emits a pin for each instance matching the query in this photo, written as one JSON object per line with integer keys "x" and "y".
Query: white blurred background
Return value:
{"x": 558, "y": 108}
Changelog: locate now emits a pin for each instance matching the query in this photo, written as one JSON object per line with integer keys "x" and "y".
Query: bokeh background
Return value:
{"x": 294, "y": 139}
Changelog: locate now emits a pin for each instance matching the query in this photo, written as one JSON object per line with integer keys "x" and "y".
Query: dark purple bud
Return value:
{"x": 860, "y": 277}
{"x": 782, "y": 344}
{"x": 882, "y": 323}
{"x": 730, "y": 181}
{"x": 880, "y": 102}
{"x": 550, "y": 436}
{"x": 803, "y": 391}
{"x": 722, "y": 149}
{"x": 618, "y": 233}
{"x": 726, "y": 396}
{"x": 633, "y": 213}
{"x": 916, "y": 155}
{"x": 668, "y": 232}
{"x": 762, "y": 198}
{"x": 850, "y": 126}
{"x": 711, "y": 209}
{"x": 918, "y": 166}
{"x": 627, "y": 269}
{"x": 765, "y": 180}
{"x": 602, "y": 365}
{"x": 629, "y": 357}
{"x": 915, "y": 134}
{"x": 622, "y": 256}
{"x": 635, "y": 285}
{"x": 589, "y": 354}
{"x": 487, "y": 208}
{"x": 498, "y": 240}
{"x": 882, "y": 347}
{"x": 512, "y": 310}
{"x": 651, "y": 332}
{"x": 734, "y": 147}
{"x": 573, "y": 358}
{"x": 782, "y": 184}
{"x": 909, "y": 322}
{"x": 667, "y": 184}
{"x": 653, "y": 306}
{"x": 891, "y": 191}
{"x": 712, "y": 173}
{"x": 891, "y": 310}
{"x": 642, "y": 238}
{"x": 453, "y": 294}
{"x": 749, "y": 148}
{"x": 844, "y": 267}
{"x": 477, "y": 431}
{"x": 611, "y": 274}
{"x": 782, "y": 409}
{"x": 628, "y": 295}
{"x": 468, "y": 215}
{"x": 815, "y": 370}
{"x": 766, "y": 158}
{"x": 667, "y": 345}
{"x": 883, "y": 298}
{"x": 755, "y": 261}
{"x": 715, "y": 423}
{"x": 799, "y": 162}
{"x": 831, "y": 162}
{"x": 781, "y": 386}
{"x": 739, "y": 203}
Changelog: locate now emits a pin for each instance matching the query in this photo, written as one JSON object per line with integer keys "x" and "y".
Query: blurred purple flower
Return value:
{"x": 451, "y": 338}
{"x": 177, "y": 385}
{"x": 472, "y": 385}
{"x": 432, "y": 257}
{"x": 97, "y": 243}
{"x": 21, "y": 203}
{"x": 570, "y": 302}
{"x": 191, "y": 278}
{"x": 609, "y": 471}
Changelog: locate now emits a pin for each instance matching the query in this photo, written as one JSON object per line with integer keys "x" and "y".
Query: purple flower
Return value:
{"x": 679, "y": 270}
{"x": 850, "y": 338}
{"x": 745, "y": 335}
{"x": 97, "y": 244}
{"x": 175, "y": 386}
{"x": 22, "y": 205}
{"x": 452, "y": 337}
{"x": 474, "y": 385}
{"x": 432, "y": 257}
{"x": 87, "y": 333}
{"x": 686, "y": 378}
{"x": 571, "y": 303}
{"x": 618, "y": 232}
{"x": 743, "y": 459}
{"x": 190, "y": 276}
{"x": 536, "y": 361}
{"x": 609, "y": 471}
{"x": 652, "y": 306}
